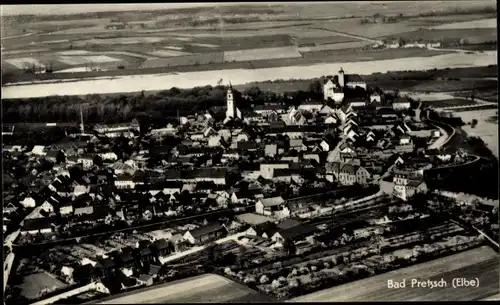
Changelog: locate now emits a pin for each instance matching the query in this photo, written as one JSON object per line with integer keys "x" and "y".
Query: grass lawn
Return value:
{"x": 33, "y": 284}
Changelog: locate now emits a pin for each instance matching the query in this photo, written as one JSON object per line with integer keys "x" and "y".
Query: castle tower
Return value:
{"x": 341, "y": 78}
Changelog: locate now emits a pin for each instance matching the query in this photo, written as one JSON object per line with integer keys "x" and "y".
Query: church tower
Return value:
{"x": 232, "y": 111}
{"x": 341, "y": 78}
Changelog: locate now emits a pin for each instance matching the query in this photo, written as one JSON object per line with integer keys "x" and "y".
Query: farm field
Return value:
{"x": 261, "y": 54}
{"x": 81, "y": 60}
{"x": 33, "y": 284}
{"x": 475, "y": 24}
{"x": 21, "y": 63}
{"x": 204, "y": 288}
{"x": 445, "y": 36}
{"x": 480, "y": 262}
{"x": 486, "y": 129}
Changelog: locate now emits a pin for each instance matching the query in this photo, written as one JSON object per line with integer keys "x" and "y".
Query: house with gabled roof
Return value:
{"x": 205, "y": 234}
{"x": 273, "y": 206}
{"x": 332, "y": 90}
{"x": 347, "y": 175}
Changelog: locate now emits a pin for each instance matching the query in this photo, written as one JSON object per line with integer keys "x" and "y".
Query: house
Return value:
{"x": 362, "y": 175}
{"x": 87, "y": 161}
{"x": 267, "y": 170}
{"x": 296, "y": 234}
{"x": 124, "y": 182}
{"x": 244, "y": 196}
{"x": 145, "y": 280}
{"x": 286, "y": 174}
{"x": 333, "y": 171}
{"x": 38, "y": 150}
{"x": 375, "y": 98}
{"x": 28, "y": 202}
{"x": 357, "y": 103}
{"x": 206, "y": 234}
{"x": 269, "y": 109}
{"x": 401, "y": 104}
{"x": 332, "y": 91}
{"x": 311, "y": 106}
{"x": 331, "y": 119}
{"x": 404, "y": 140}
{"x": 328, "y": 142}
{"x": 274, "y": 206}
{"x": 351, "y": 80}
{"x": 347, "y": 175}
{"x": 265, "y": 230}
{"x": 160, "y": 248}
{"x": 34, "y": 226}
{"x": 387, "y": 113}
{"x": 271, "y": 150}
{"x": 405, "y": 188}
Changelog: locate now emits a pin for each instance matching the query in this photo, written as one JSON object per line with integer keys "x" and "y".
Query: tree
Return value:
{"x": 473, "y": 123}
{"x": 289, "y": 247}
{"x": 316, "y": 88}
{"x": 60, "y": 157}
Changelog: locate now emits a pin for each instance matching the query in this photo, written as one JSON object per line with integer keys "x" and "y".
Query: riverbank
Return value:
{"x": 137, "y": 83}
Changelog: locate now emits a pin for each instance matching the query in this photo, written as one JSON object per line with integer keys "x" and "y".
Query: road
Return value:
{"x": 481, "y": 263}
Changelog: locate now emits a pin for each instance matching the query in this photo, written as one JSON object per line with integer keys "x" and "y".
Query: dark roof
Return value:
{"x": 282, "y": 172}
{"x": 160, "y": 244}
{"x": 267, "y": 227}
{"x": 288, "y": 223}
{"x": 107, "y": 262}
{"x": 153, "y": 269}
{"x": 298, "y": 232}
{"x": 333, "y": 167}
{"x": 247, "y": 145}
{"x": 349, "y": 168}
{"x": 37, "y": 224}
{"x": 213, "y": 227}
{"x": 269, "y": 107}
{"x": 385, "y": 110}
{"x": 355, "y": 78}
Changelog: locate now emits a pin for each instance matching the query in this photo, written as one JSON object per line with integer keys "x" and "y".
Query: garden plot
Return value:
{"x": 22, "y": 63}
{"x": 167, "y": 53}
{"x": 260, "y": 54}
{"x": 81, "y": 60}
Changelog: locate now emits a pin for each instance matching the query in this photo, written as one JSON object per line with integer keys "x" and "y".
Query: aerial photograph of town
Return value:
{"x": 250, "y": 152}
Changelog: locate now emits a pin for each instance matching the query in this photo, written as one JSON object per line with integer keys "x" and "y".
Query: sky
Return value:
{"x": 65, "y": 9}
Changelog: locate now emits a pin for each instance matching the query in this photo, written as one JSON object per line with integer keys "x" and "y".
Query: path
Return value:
{"x": 351, "y": 35}
{"x": 200, "y": 248}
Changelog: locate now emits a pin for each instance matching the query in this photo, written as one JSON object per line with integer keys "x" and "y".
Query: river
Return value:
{"x": 137, "y": 83}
